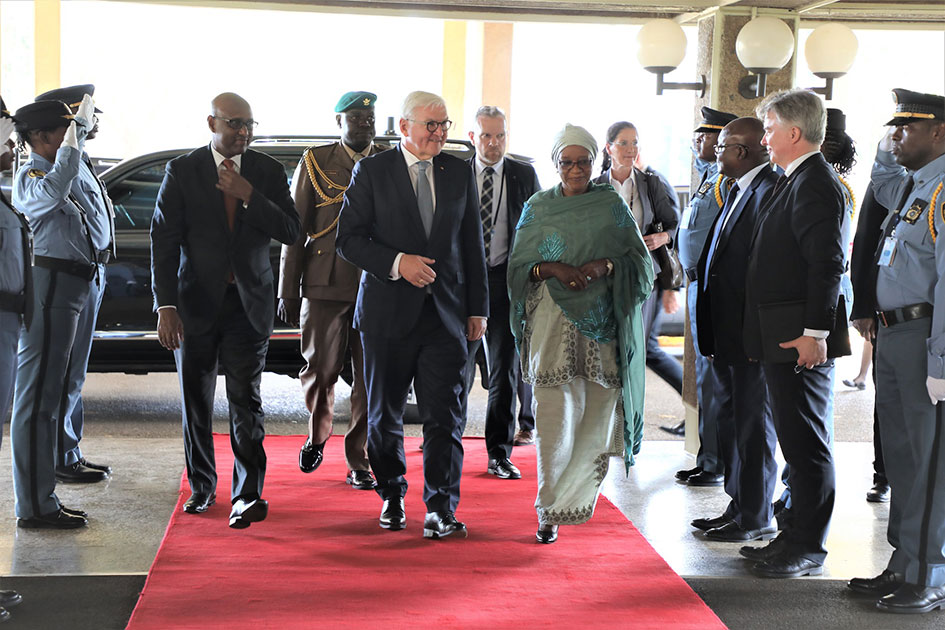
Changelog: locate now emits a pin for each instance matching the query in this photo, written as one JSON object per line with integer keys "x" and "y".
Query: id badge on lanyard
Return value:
{"x": 888, "y": 253}
{"x": 686, "y": 216}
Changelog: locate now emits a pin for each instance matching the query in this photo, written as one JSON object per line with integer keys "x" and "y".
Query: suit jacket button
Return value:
{"x": 319, "y": 252}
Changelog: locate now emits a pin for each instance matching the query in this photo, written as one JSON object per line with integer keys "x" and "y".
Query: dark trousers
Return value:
{"x": 526, "y": 417}
{"x": 665, "y": 366}
{"x": 504, "y": 369}
{"x": 879, "y": 467}
{"x": 748, "y": 441}
{"x": 233, "y": 345}
{"x": 799, "y": 407}
{"x": 435, "y": 360}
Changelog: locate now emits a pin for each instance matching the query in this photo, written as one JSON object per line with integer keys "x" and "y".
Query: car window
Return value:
{"x": 134, "y": 195}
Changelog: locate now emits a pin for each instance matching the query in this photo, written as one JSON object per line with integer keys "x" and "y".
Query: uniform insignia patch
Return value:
{"x": 35, "y": 172}
{"x": 915, "y": 211}
{"x": 705, "y": 187}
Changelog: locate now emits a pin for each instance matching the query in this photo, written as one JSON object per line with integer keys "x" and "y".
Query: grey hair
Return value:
{"x": 489, "y": 111}
{"x": 419, "y": 100}
{"x": 800, "y": 108}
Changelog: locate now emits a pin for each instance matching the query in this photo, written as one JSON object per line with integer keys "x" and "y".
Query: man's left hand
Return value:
{"x": 475, "y": 328}
{"x": 234, "y": 184}
{"x": 810, "y": 350}
{"x": 936, "y": 389}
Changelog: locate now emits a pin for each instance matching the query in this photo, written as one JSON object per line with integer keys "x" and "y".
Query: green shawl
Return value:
{"x": 575, "y": 230}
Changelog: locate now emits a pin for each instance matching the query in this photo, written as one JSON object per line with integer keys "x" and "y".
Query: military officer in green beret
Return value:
{"x": 317, "y": 288}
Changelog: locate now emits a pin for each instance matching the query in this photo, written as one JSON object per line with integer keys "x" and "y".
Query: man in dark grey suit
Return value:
{"x": 217, "y": 212}
{"x": 410, "y": 220}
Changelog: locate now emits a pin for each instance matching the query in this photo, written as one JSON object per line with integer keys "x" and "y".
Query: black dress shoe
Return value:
{"x": 705, "y": 479}
{"x": 310, "y": 456}
{"x": 676, "y": 429}
{"x": 4, "y": 615}
{"x": 77, "y": 473}
{"x": 199, "y": 502}
{"x": 105, "y": 468}
{"x": 503, "y": 468}
{"x": 883, "y": 584}
{"x": 393, "y": 515}
{"x": 8, "y": 599}
{"x": 787, "y": 565}
{"x": 912, "y": 598}
{"x": 547, "y": 534}
{"x": 760, "y": 554}
{"x": 361, "y": 480}
{"x": 733, "y": 532}
{"x": 879, "y": 493}
{"x": 73, "y": 512}
{"x": 705, "y": 524}
{"x": 55, "y": 520}
{"x": 246, "y": 512}
{"x": 682, "y": 475}
{"x": 442, "y": 524}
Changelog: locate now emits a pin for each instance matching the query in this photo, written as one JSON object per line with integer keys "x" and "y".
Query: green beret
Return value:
{"x": 353, "y": 100}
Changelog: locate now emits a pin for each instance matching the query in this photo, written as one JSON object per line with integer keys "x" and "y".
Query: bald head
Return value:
{"x": 231, "y": 121}
{"x": 741, "y": 147}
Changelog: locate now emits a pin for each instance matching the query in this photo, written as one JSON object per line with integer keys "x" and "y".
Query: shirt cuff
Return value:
{"x": 161, "y": 308}
{"x": 395, "y": 268}
{"x": 482, "y": 317}
{"x": 816, "y": 334}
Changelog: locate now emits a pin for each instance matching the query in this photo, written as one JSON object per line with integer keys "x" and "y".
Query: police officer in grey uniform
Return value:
{"x": 697, "y": 219}
{"x": 15, "y": 294}
{"x": 88, "y": 189}
{"x": 65, "y": 267}
{"x": 908, "y": 178}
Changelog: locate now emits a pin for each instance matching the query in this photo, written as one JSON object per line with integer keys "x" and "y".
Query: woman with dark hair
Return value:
{"x": 655, "y": 208}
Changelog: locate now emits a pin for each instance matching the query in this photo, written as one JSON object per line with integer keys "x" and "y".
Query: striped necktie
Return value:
{"x": 485, "y": 208}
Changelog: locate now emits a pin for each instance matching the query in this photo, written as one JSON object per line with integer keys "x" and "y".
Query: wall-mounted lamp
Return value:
{"x": 661, "y": 47}
{"x": 830, "y": 51}
{"x": 763, "y": 46}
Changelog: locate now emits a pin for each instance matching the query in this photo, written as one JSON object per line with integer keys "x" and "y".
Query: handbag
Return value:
{"x": 670, "y": 275}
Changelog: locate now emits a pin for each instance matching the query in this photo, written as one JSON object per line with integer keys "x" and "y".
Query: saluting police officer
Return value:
{"x": 908, "y": 178}
{"x": 88, "y": 189}
{"x": 64, "y": 270}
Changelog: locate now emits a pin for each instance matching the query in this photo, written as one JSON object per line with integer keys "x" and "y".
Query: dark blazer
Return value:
{"x": 193, "y": 249}
{"x": 380, "y": 218}
{"x": 863, "y": 268}
{"x": 797, "y": 255}
{"x": 720, "y": 307}
{"x": 521, "y": 182}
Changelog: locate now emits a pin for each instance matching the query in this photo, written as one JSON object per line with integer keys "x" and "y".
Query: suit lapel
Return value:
{"x": 405, "y": 191}
{"x": 439, "y": 185}
{"x": 210, "y": 177}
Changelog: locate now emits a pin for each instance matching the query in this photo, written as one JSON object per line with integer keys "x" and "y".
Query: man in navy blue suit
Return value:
{"x": 410, "y": 220}
{"x": 217, "y": 212}
{"x": 746, "y": 430}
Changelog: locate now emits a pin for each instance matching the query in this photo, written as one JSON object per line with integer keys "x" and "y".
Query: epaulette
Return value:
{"x": 35, "y": 172}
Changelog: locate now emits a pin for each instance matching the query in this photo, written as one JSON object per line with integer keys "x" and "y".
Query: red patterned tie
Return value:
{"x": 229, "y": 201}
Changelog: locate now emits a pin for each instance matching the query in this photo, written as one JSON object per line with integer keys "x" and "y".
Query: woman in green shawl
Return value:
{"x": 578, "y": 273}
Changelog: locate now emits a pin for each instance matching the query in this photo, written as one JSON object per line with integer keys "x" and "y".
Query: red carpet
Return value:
{"x": 321, "y": 561}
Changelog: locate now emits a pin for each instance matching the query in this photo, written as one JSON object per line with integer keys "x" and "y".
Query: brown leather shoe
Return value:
{"x": 524, "y": 438}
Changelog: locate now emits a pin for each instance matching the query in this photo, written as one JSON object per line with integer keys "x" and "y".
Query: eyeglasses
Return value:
{"x": 433, "y": 124}
{"x": 239, "y": 123}
{"x": 720, "y": 148}
{"x": 623, "y": 144}
{"x": 566, "y": 165}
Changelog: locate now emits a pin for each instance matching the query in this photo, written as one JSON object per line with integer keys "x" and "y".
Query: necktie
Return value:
{"x": 778, "y": 185}
{"x": 726, "y": 211}
{"x": 229, "y": 201}
{"x": 894, "y": 221}
{"x": 485, "y": 208}
{"x": 424, "y": 197}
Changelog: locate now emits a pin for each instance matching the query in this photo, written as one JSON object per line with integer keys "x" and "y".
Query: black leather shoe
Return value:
{"x": 883, "y": 584}
{"x": 54, "y": 520}
{"x": 361, "y": 480}
{"x": 310, "y": 456}
{"x": 245, "y": 513}
{"x": 199, "y": 502}
{"x": 705, "y": 479}
{"x": 73, "y": 512}
{"x": 879, "y": 493}
{"x": 547, "y": 534}
{"x": 912, "y": 598}
{"x": 393, "y": 515}
{"x": 442, "y": 524}
{"x": 732, "y": 532}
{"x": 676, "y": 429}
{"x": 503, "y": 468}
{"x": 105, "y": 468}
{"x": 787, "y": 565}
{"x": 760, "y": 554}
{"x": 4, "y": 615}
{"x": 682, "y": 475}
{"x": 77, "y": 473}
{"x": 8, "y": 599}
{"x": 705, "y": 524}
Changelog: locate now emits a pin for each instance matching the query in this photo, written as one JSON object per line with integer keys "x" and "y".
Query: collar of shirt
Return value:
{"x": 745, "y": 180}
{"x": 479, "y": 165}
{"x": 218, "y": 158}
{"x": 797, "y": 162}
{"x": 410, "y": 158}
{"x": 931, "y": 171}
{"x": 363, "y": 153}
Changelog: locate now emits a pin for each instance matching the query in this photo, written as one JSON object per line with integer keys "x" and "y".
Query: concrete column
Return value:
{"x": 454, "y": 74}
{"x": 497, "y": 66}
{"x": 47, "y": 42}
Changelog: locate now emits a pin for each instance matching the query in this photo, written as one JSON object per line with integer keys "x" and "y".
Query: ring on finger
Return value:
{"x": 573, "y": 283}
